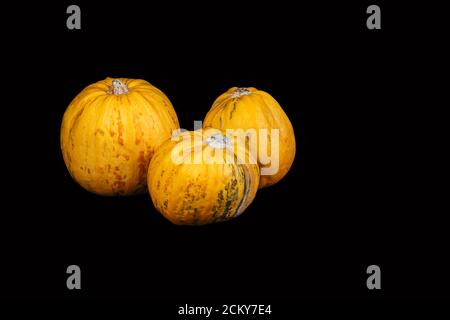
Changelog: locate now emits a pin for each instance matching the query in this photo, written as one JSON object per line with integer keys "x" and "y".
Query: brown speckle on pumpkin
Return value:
{"x": 141, "y": 163}
{"x": 119, "y": 184}
{"x": 220, "y": 196}
{"x": 120, "y": 129}
{"x": 100, "y": 132}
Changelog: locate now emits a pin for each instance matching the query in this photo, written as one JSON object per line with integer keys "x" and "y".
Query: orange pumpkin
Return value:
{"x": 202, "y": 177}
{"x": 252, "y": 109}
{"x": 110, "y": 132}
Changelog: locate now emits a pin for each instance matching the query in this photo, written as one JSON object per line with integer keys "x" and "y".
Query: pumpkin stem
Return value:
{"x": 118, "y": 87}
{"x": 239, "y": 92}
{"x": 218, "y": 141}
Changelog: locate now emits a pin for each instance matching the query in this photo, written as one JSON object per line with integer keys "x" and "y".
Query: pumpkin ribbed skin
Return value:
{"x": 249, "y": 108}
{"x": 111, "y": 130}
{"x": 202, "y": 193}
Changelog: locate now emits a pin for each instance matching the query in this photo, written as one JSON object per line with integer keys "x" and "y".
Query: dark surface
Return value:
{"x": 354, "y": 196}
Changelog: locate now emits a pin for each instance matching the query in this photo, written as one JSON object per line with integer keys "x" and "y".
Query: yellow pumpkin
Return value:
{"x": 250, "y": 109}
{"x": 202, "y": 177}
{"x": 110, "y": 132}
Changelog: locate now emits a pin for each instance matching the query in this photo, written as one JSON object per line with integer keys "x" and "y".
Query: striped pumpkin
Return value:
{"x": 249, "y": 108}
{"x": 110, "y": 131}
{"x": 190, "y": 188}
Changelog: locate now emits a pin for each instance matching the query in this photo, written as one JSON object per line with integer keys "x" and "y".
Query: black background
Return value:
{"x": 355, "y": 196}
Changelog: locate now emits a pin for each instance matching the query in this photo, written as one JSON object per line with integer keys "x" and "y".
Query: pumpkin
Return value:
{"x": 110, "y": 132}
{"x": 191, "y": 187}
{"x": 253, "y": 111}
